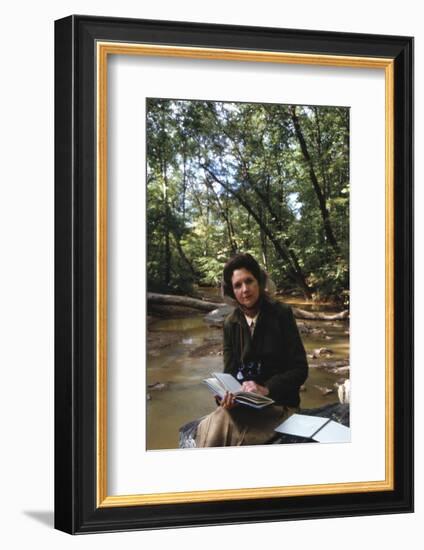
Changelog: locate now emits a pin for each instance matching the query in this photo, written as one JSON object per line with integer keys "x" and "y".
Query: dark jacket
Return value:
{"x": 276, "y": 344}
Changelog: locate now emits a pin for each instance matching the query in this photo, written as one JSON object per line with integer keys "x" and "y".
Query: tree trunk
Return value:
{"x": 224, "y": 213}
{"x": 296, "y": 275}
{"x": 167, "y": 262}
{"x": 194, "y": 272}
{"x": 186, "y": 301}
{"x": 320, "y": 196}
{"x": 294, "y": 271}
{"x": 316, "y": 315}
{"x": 171, "y": 300}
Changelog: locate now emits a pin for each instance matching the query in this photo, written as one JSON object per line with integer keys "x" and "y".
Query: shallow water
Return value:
{"x": 184, "y": 397}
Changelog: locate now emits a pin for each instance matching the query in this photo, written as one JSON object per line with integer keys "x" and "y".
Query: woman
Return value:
{"x": 263, "y": 350}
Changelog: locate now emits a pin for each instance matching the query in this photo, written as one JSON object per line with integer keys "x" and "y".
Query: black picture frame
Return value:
{"x": 77, "y": 508}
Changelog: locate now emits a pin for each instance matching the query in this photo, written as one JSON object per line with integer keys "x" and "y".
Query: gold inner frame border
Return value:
{"x": 103, "y": 50}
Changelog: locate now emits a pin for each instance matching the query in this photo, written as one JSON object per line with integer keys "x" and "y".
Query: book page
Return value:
{"x": 228, "y": 381}
{"x": 214, "y": 385}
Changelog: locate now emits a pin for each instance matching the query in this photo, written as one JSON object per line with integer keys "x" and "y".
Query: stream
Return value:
{"x": 182, "y": 351}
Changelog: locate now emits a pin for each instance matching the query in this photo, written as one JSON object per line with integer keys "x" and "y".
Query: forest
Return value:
{"x": 268, "y": 179}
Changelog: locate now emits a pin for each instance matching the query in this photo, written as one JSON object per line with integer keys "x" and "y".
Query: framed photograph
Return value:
{"x": 231, "y": 201}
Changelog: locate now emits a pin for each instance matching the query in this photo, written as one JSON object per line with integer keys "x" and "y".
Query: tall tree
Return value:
{"x": 269, "y": 179}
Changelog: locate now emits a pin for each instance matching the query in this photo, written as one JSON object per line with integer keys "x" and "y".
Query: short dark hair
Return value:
{"x": 241, "y": 261}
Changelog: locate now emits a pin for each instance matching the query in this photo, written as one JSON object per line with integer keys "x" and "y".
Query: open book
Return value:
{"x": 223, "y": 382}
{"x": 316, "y": 428}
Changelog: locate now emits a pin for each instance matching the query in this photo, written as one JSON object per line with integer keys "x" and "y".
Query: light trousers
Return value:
{"x": 241, "y": 425}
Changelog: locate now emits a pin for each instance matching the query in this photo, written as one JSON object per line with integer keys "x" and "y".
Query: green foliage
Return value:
{"x": 332, "y": 282}
{"x": 269, "y": 179}
{"x": 211, "y": 270}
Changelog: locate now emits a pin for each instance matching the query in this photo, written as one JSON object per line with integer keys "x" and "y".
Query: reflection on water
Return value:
{"x": 184, "y": 397}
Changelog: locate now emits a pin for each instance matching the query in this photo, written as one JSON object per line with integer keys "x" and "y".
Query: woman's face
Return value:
{"x": 245, "y": 287}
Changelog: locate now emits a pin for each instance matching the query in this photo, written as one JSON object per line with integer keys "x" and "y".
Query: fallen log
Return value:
{"x": 171, "y": 300}
{"x": 317, "y": 316}
{"x": 337, "y": 366}
{"x": 224, "y": 309}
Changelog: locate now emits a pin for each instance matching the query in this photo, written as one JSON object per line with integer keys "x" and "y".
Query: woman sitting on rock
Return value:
{"x": 263, "y": 351}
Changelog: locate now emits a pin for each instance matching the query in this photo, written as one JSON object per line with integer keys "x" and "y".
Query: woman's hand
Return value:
{"x": 228, "y": 401}
{"x": 255, "y": 388}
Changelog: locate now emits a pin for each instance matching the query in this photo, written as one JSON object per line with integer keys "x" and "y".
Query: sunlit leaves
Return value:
{"x": 220, "y": 173}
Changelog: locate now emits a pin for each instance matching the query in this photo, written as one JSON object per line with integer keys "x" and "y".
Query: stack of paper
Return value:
{"x": 316, "y": 428}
